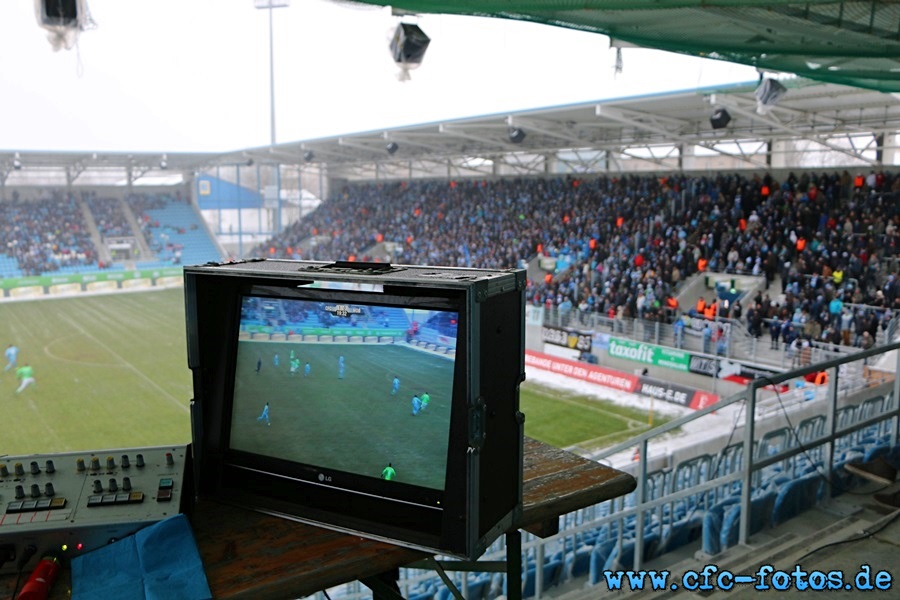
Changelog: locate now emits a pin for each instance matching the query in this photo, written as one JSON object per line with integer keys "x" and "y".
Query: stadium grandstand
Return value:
{"x": 747, "y": 275}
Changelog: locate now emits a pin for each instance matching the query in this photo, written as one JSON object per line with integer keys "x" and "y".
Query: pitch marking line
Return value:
{"x": 127, "y": 364}
{"x": 599, "y": 409}
{"x": 73, "y": 361}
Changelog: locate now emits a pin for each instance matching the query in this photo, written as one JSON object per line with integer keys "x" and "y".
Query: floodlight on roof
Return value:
{"x": 309, "y": 156}
{"x": 516, "y": 135}
{"x": 164, "y": 162}
{"x": 17, "y": 162}
{"x": 64, "y": 20}
{"x": 768, "y": 94}
{"x": 391, "y": 148}
{"x": 408, "y": 46}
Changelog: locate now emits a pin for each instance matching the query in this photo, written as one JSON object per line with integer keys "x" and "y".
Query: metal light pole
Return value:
{"x": 270, "y": 5}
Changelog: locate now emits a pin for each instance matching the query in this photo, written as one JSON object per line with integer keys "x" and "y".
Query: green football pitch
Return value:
{"x": 111, "y": 372}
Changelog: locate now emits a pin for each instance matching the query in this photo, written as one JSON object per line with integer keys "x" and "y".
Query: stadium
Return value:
{"x": 710, "y": 307}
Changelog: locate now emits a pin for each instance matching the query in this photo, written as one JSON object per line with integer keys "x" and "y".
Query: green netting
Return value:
{"x": 852, "y": 43}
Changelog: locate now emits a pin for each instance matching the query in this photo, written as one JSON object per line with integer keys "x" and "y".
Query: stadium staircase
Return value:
{"x": 96, "y": 238}
{"x": 135, "y": 228}
{"x": 181, "y": 237}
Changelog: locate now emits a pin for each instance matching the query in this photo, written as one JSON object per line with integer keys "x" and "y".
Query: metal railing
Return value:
{"x": 739, "y": 343}
{"x": 788, "y": 429}
{"x": 829, "y": 403}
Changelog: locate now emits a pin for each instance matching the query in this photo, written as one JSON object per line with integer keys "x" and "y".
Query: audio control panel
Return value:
{"x": 75, "y": 502}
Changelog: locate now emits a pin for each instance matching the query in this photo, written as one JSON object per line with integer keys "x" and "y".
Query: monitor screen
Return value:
{"x": 340, "y": 392}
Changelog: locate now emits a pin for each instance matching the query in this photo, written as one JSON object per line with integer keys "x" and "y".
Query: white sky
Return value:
{"x": 193, "y": 75}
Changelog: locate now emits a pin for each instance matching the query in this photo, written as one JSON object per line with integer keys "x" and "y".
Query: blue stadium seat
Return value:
{"x": 760, "y": 518}
{"x": 553, "y": 571}
{"x": 682, "y": 532}
{"x": 599, "y": 555}
{"x": 712, "y": 525}
{"x": 796, "y": 497}
{"x": 578, "y": 563}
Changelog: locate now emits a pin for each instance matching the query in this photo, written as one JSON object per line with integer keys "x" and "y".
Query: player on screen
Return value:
{"x": 341, "y": 366}
{"x": 295, "y": 364}
{"x": 416, "y": 404}
{"x": 395, "y": 386}
{"x": 275, "y": 360}
{"x": 388, "y": 473}
{"x": 258, "y": 365}
{"x": 26, "y": 376}
{"x": 306, "y": 369}
{"x": 12, "y": 356}
{"x": 425, "y": 400}
{"x": 264, "y": 416}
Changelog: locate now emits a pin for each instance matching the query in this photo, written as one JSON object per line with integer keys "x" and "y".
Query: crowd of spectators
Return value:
{"x": 47, "y": 234}
{"x": 108, "y": 215}
{"x": 622, "y": 244}
{"x": 617, "y": 246}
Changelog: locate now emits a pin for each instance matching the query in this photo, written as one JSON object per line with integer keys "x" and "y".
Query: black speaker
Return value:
{"x": 409, "y": 44}
{"x": 720, "y": 118}
{"x": 391, "y": 147}
{"x": 516, "y": 135}
{"x": 59, "y": 13}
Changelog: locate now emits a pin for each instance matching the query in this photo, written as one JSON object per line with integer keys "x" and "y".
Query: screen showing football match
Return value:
{"x": 359, "y": 388}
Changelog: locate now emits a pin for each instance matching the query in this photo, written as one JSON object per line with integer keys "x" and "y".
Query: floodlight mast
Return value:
{"x": 270, "y": 5}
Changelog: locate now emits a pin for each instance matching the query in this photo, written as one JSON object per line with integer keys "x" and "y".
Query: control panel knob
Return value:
{"x": 95, "y": 463}
{"x": 19, "y": 469}
{"x": 35, "y": 467}
{"x": 79, "y": 464}
{"x": 20, "y": 492}
{"x": 113, "y": 486}
{"x": 126, "y": 484}
{"x": 49, "y": 466}
{"x": 110, "y": 463}
{"x": 169, "y": 459}
{"x": 48, "y": 489}
{"x": 125, "y": 462}
{"x": 98, "y": 486}
{"x": 4, "y": 470}
{"x": 35, "y": 490}
{"x": 139, "y": 460}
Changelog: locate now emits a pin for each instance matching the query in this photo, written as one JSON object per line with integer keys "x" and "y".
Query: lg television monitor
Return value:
{"x": 375, "y": 399}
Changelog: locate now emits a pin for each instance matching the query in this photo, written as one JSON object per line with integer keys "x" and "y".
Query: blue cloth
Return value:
{"x": 160, "y": 562}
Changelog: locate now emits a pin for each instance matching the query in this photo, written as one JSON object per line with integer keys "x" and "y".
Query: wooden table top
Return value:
{"x": 248, "y": 554}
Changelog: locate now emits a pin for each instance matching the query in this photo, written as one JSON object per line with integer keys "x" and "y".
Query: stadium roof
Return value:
{"x": 839, "y": 118}
{"x": 852, "y": 43}
{"x": 834, "y": 117}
